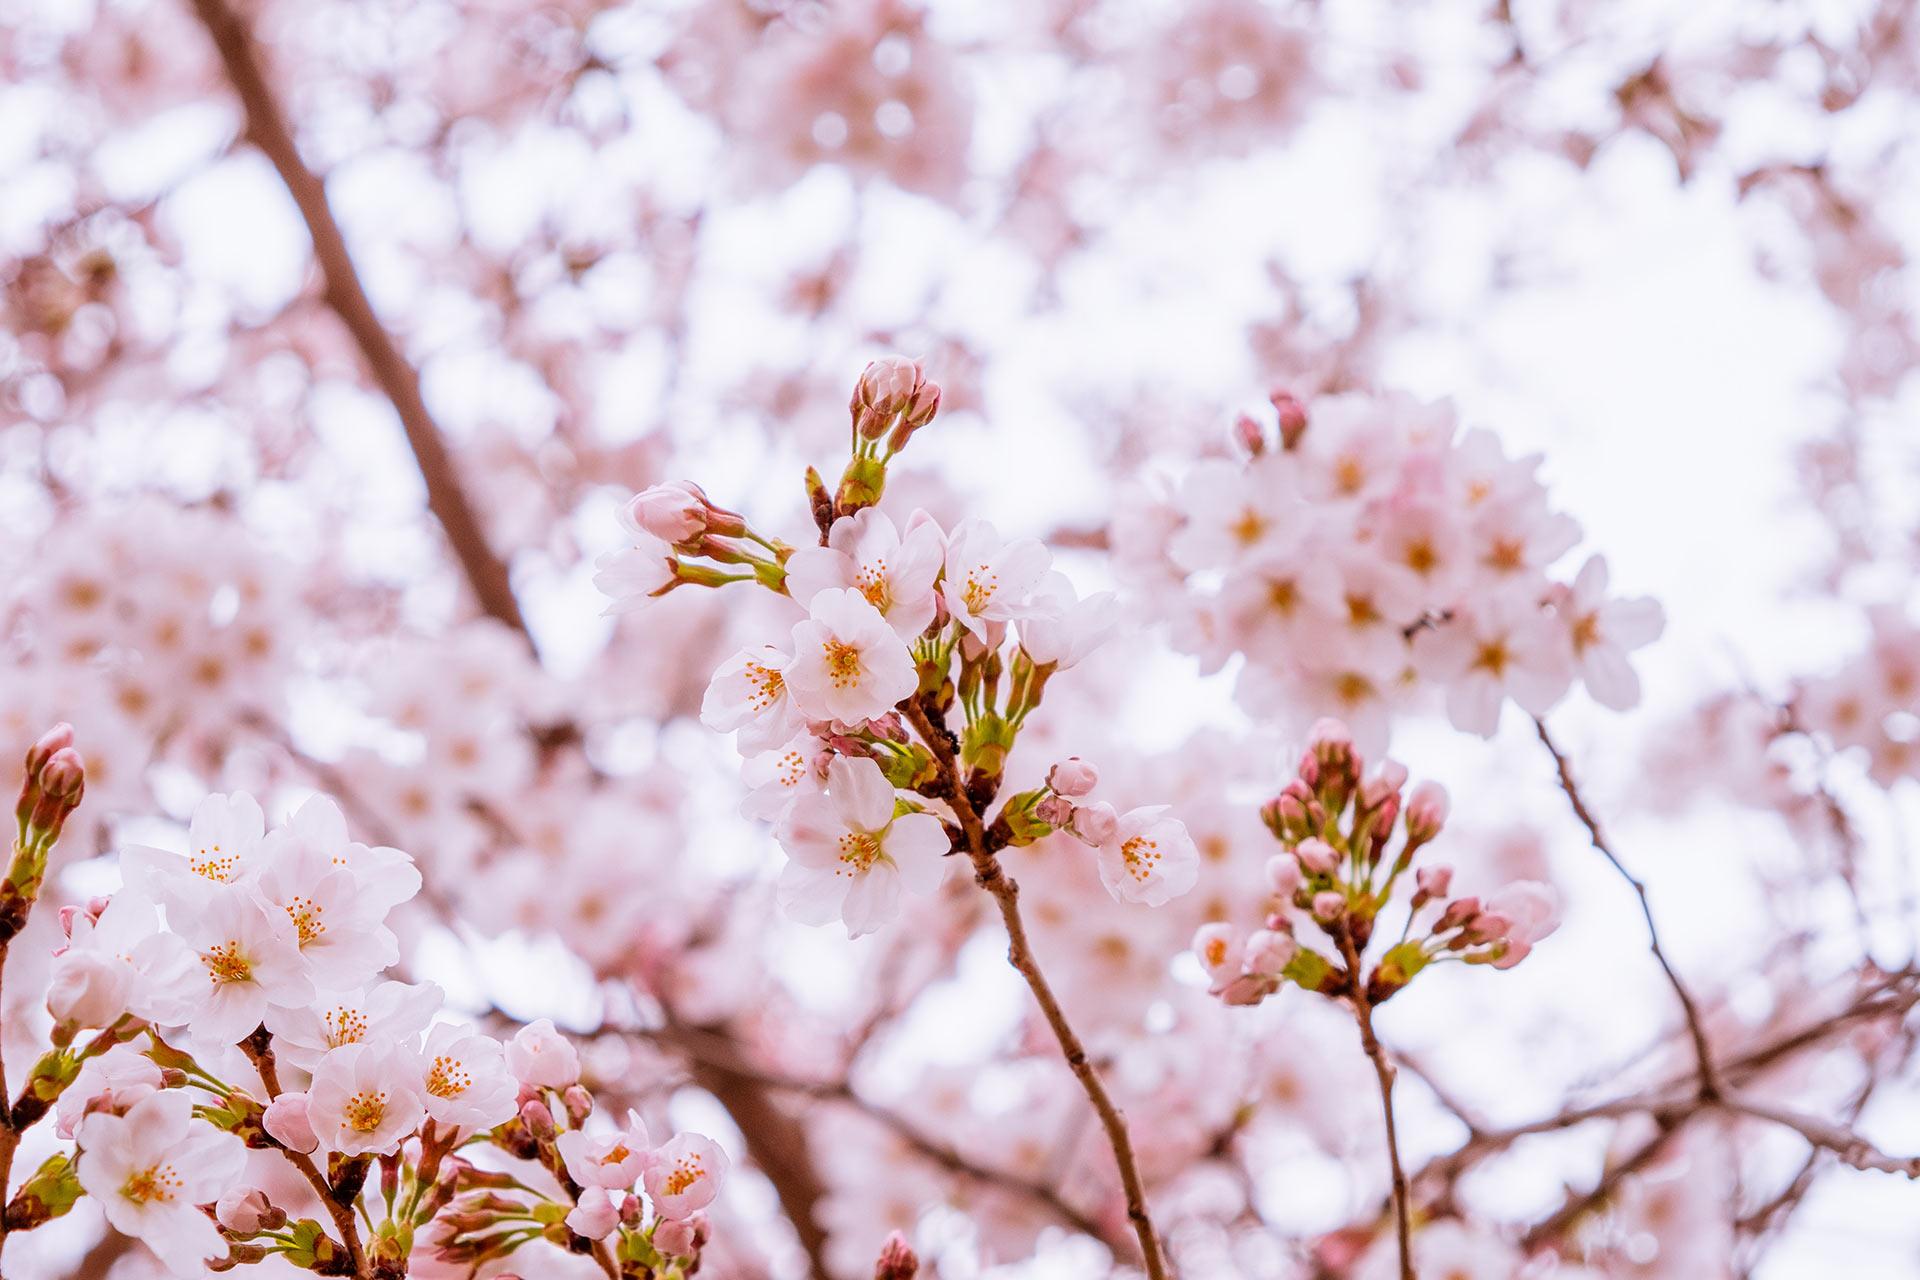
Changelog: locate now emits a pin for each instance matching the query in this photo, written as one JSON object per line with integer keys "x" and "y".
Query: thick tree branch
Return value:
{"x": 267, "y": 129}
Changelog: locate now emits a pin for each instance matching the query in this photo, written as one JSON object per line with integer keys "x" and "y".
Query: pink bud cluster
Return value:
{"x": 1337, "y": 822}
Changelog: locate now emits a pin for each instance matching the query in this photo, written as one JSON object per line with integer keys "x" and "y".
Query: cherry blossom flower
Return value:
{"x": 540, "y": 1057}
{"x": 1532, "y": 912}
{"x": 122, "y": 962}
{"x": 289, "y": 1121}
{"x": 1062, "y": 630}
{"x": 684, "y": 1175}
{"x": 251, "y": 961}
{"x": 613, "y": 1161}
{"x": 465, "y": 1083}
{"x": 1497, "y": 647}
{"x": 150, "y": 1170}
{"x": 381, "y": 1012}
{"x": 848, "y": 664}
{"x": 1604, "y": 631}
{"x": 850, "y": 855}
{"x": 867, "y": 553}
{"x": 988, "y": 580}
{"x": 635, "y": 576}
{"x": 386, "y": 877}
{"x": 1150, "y": 858}
{"x": 365, "y": 1098}
{"x": 749, "y": 695}
{"x": 776, "y": 778}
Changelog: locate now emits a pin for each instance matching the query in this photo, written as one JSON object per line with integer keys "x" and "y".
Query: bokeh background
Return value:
{"x": 1665, "y": 246}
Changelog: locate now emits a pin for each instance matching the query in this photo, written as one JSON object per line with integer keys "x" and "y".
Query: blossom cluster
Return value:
{"x": 264, "y": 951}
{"x": 1872, "y": 703}
{"x": 1372, "y": 551}
{"x": 1338, "y": 870}
{"x": 899, "y": 621}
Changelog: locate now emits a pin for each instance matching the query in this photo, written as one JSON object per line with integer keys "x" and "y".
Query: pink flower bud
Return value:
{"x": 1329, "y": 906}
{"x": 1096, "y": 824}
{"x": 286, "y": 1123}
{"x": 1218, "y": 946}
{"x": 1317, "y": 856}
{"x": 1433, "y": 881}
{"x": 1293, "y": 418}
{"x": 897, "y": 1260}
{"x": 1488, "y": 926}
{"x": 594, "y": 1215}
{"x": 538, "y": 1118}
{"x": 1073, "y": 777}
{"x": 1269, "y": 952}
{"x": 1249, "y": 436}
{"x": 893, "y": 391}
{"x": 672, "y": 512}
{"x": 1283, "y": 875}
{"x": 1249, "y": 989}
{"x": 1426, "y": 812}
{"x": 675, "y": 1237}
{"x": 1055, "y": 811}
{"x": 1457, "y": 913}
{"x": 243, "y": 1210}
{"x": 579, "y": 1105}
{"x": 540, "y": 1056}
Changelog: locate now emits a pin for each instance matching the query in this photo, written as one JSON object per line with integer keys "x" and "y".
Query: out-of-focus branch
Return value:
{"x": 1696, "y": 1029}
{"x": 267, "y": 129}
{"x": 1383, "y": 1072}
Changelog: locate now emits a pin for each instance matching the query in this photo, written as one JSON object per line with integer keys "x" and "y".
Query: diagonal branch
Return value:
{"x": 772, "y": 1136}
{"x": 267, "y": 129}
{"x": 1696, "y": 1028}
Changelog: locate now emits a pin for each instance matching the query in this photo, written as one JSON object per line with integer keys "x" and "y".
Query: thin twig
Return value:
{"x": 1696, "y": 1029}
{"x": 992, "y": 877}
{"x": 1383, "y": 1071}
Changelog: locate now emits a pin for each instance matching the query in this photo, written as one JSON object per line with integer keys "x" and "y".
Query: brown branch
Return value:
{"x": 261, "y": 1056}
{"x": 1696, "y": 1029}
{"x": 1383, "y": 1071}
{"x": 1006, "y": 895}
{"x": 267, "y": 129}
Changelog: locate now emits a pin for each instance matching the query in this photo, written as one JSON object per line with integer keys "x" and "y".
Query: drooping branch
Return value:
{"x": 1006, "y": 895}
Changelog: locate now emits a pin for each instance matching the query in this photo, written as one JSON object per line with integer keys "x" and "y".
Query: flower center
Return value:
{"x": 305, "y": 914}
{"x": 859, "y": 850}
{"x": 843, "y": 663}
{"x": 1248, "y": 528}
{"x": 154, "y": 1184}
{"x": 365, "y": 1110}
{"x": 871, "y": 579}
{"x": 1493, "y": 658}
{"x": 1586, "y": 632}
{"x": 767, "y": 685}
{"x": 344, "y": 1025}
{"x": 448, "y": 1078}
{"x": 1142, "y": 856}
{"x": 1506, "y": 554}
{"x": 227, "y": 963}
{"x": 214, "y": 865}
{"x": 982, "y": 582}
{"x": 686, "y": 1171}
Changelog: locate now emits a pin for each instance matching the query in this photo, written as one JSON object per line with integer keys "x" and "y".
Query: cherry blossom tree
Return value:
{"x": 1342, "y": 702}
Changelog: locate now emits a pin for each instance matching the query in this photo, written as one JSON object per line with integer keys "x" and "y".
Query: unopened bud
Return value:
{"x": 1096, "y": 824}
{"x": 1249, "y": 436}
{"x": 579, "y": 1104}
{"x": 1426, "y": 812}
{"x": 893, "y": 397}
{"x": 1293, "y": 418}
{"x": 538, "y": 1118}
{"x": 1317, "y": 856}
{"x": 897, "y": 1260}
{"x": 1073, "y": 777}
{"x": 1329, "y": 906}
{"x": 1268, "y": 952}
{"x": 1283, "y": 876}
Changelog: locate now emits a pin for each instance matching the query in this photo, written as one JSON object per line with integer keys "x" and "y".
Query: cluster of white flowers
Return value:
{"x": 1377, "y": 553}
{"x": 264, "y": 950}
